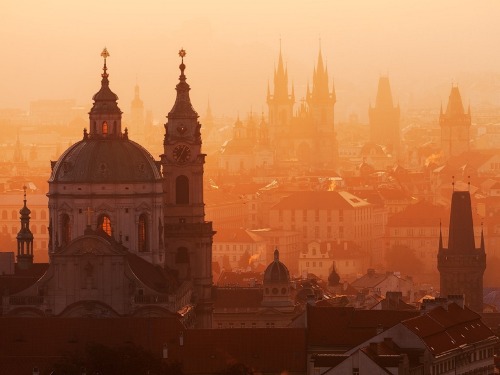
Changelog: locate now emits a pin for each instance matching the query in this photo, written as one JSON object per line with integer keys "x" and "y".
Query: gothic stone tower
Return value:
{"x": 461, "y": 265}
{"x": 188, "y": 236}
{"x": 321, "y": 102}
{"x": 455, "y": 125}
{"x": 384, "y": 118}
{"x": 280, "y": 104}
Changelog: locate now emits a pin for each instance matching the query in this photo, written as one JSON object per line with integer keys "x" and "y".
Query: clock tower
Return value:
{"x": 188, "y": 237}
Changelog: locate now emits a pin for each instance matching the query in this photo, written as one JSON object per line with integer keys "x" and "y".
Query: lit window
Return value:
{"x": 142, "y": 234}
{"x": 105, "y": 128}
{"x": 105, "y": 224}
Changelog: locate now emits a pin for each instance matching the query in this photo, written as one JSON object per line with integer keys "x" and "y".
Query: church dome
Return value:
{"x": 276, "y": 272}
{"x": 105, "y": 161}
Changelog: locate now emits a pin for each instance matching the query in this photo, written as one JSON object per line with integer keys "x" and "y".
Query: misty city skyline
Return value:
{"x": 423, "y": 48}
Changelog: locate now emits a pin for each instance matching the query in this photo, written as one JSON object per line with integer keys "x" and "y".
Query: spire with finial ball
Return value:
{"x": 182, "y": 53}
{"x": 105, "y": 55}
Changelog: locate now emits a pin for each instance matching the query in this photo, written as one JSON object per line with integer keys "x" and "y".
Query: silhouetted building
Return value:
{"x": 455, "y": 125}
{"x": 461, "y": 265}
{"x": 384, "y": 118}
{"x": 307, "y": 137}
{"x": 124, "y": 240}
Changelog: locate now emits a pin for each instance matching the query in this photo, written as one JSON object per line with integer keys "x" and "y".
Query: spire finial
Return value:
{"x": 182, "y": 53}
{"x": 105, "y": 55}
{"x": 25, "y": 188}
{"x": 453, "y": 182}
{"x": 468, "y": 182}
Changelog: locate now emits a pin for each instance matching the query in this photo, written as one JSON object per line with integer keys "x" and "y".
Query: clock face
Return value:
{"x": 181, "y": 153}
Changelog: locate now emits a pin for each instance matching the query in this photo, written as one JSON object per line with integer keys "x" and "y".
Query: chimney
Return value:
{"x": 165, "y": 351}
{"x": 388, "y": 342}
{"x": 374, "y": 347}
{"x": 371, "y": 272}
{"x": 181, "y": 339}
{"x": 36, "y": 371}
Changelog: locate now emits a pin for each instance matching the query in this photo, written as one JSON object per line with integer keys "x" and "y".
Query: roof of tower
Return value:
{"x": 455, "y": 105}
{"x": 276, "y": 272}
{"x": 105, "y": 99}
{"x": 461, "y": 232}
{"x": 182, "y": 109}
{"x": 25, "y": 211}
{"x": 137, "y": 101}
{"x": 384, "y": 94}
{"x": 105, "y": 159}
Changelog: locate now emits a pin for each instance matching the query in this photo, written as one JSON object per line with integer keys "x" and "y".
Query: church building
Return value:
{"x": 127, "y": 235}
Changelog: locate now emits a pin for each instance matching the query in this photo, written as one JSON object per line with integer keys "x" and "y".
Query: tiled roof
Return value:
{"x": 370, "y": 280}
{"x": 238, "y": 235}
{"x": 443, "y": 330}
{"x": 343, "y": 328}
{"x": 241, "y": 279}
{"x": 21, "y": 279}
{"x": 321, "y": 200}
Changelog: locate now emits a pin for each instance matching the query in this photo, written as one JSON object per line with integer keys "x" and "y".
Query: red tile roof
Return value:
{"x": 343, "y": 328}
{"x": 241, "y": 298}
{"x": 443, "y": 330}
{"x": 320, "y": 200}
{"x": 422, "y": 214}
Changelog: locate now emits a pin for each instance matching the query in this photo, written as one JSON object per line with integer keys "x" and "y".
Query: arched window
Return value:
{"x": 105, "y": 128}
{"x": 43, "y": 215}
{"x": 4, "y": 215}
{"x": 13, "y": 215}
{"x": 182, "y": 255}
{"x": 65, "y": 229}
{"x": 142, "y": 233}
{"x": 104, "y": 223}
{"x": 182, "y": 190}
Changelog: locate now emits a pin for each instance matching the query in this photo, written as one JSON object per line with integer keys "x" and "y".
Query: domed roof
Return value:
{"x": 276, "y": 272}
{"x": 98, "y": 160}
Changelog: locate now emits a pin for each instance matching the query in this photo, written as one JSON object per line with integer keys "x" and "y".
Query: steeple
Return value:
{"x": 461, "y": 236}
{"x": 280, "y": 81}
{"x": 18, "y": 151}
{"x": 384, "y": 94}
{"x": 461, "y": 265}
{"x": 105, "y": 115}
{"x": 182, "y": 108}
{"x": 455, "y": 125}
{"x": 320, "y": 90}
{"x": 24, "y": 238}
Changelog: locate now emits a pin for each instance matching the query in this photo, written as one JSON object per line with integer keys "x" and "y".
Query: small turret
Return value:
{"x": 25, "y": 238}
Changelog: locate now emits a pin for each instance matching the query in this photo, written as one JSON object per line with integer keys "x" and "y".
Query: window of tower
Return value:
{"x": 104, "y": 223}
{"x": 182, "y": 255}
{"x": 105, "y": 128}
{"x": 4, "y": 215}
{"x": 65, "y": 229}
{"x": 142, "y": 234}
{"x": 13, "y": 215}
{"x": 182, "y": 190}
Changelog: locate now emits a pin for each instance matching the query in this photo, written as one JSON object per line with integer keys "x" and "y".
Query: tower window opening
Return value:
{"x": 105, "y": 128}
{"x": 182, "y": 190}
{"x": 142, "y": 234}
{"x": 104, "y": 223}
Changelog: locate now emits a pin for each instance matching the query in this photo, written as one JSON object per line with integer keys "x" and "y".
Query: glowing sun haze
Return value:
{"x": 51, "y": 49}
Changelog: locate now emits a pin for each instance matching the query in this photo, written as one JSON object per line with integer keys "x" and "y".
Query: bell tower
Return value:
{"x": 188, "y": 236}
{"x": 461, "y": 266}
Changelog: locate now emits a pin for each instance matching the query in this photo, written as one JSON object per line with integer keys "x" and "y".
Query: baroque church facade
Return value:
{"x": 128, "y": 236}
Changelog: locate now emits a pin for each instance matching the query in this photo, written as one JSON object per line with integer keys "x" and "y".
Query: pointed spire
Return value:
{"x": 276, "y": 255}
{"x": 182, "y": 108}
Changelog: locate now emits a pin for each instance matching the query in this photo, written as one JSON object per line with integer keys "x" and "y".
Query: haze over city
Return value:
{"x": 50, "y": 50}
{"x": 227, "y": 188}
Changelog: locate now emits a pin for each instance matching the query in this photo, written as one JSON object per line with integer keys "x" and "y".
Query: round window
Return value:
{"x": 275, "y": 291}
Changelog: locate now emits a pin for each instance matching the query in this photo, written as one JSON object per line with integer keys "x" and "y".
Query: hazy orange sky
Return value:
{"x": 51, "y": 50}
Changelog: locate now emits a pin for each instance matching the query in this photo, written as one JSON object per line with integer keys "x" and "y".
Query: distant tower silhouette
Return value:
{"x": 455, "y": 125}
{"x": 321, "y": 102}
{"x": 280, "y": 103}
{"x": 25, "y": 238}
{"x": 137, "y": 120}
{"x": 384, "y": 118}
{"x": 461, "y": 266}
{"x": 18, "y": 151}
